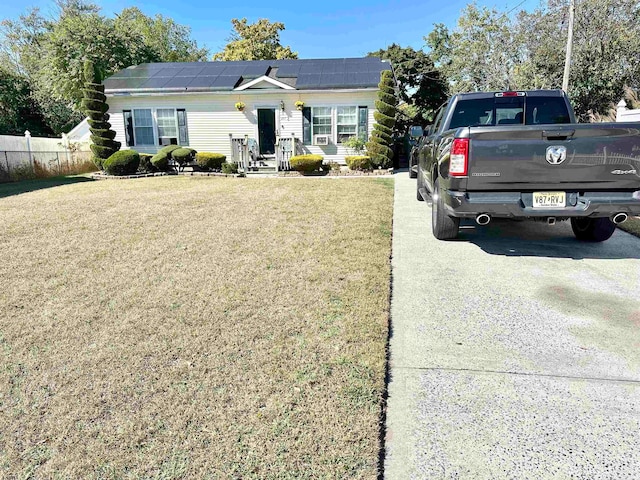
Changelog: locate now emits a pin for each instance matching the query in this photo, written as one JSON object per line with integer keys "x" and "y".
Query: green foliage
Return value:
{"x": 94, "y": 105}
{"x": 145, "y": 163}
{"x": 50, "y": 52}
{"x": 229, "y": 167}
{"x": 168, "y": 149}
{"x": 358, "y": 162}
{"x": 256, "y": 41}
{"x": 379, "y": 146}
{"x": 99, "y": 132}
{"x": 124, "y": 162}
{"x": 102, "y": 153}
{"x": 209, "y": 160}
{"x": 99, "y": 125}
{"x": 492, "y": 51}
{"x": 160, "y": 161}
{"x": 356, "y": 144}
{"x": 183, "y": 155}
{"x": 306, "y": 163}
{"x": 18, "y": 109}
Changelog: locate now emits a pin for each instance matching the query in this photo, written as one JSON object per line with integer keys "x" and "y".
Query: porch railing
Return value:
{"x": 286, "y": 147}
{"x": 240, "y": 152}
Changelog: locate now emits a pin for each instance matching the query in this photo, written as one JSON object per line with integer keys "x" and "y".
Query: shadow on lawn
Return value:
{"x": 16, "y": 188}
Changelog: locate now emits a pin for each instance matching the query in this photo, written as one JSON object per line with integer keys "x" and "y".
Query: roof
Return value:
{"x": 308, "y": 74}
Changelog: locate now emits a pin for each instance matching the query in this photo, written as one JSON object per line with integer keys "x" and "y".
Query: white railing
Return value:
{"x": 240, "y": 152}
{"x": 286, "y": 147}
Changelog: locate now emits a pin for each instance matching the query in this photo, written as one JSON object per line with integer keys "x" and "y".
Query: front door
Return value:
{"x": 267, "y": 130}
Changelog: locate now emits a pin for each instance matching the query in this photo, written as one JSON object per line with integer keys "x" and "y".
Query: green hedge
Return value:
{"x": 98, "y": 132}
{"x": 94, "y": 105}
{"x": 168, "y": 149}
{"x": 358, "y": 162}
{"x": 94, "y": 95}
{"x": 210, "y": 160}
{"x": 229, "y": 167}
{"x": 306, "y": 163}
{"x": 102, "y": 152}
{"x": 386, "y": 139}
{"x": 385, "y": 120}
{"x": 385, "y": 108}
{"x": 160, "y": 161}
{"x": 99, "y": 124}
{"x": 183, "y": 155}
{"x": 124, "y": 162}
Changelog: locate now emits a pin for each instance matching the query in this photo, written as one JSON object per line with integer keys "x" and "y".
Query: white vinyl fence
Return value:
{"x": 23, "y": 156}
{"x": 626, "y": 115}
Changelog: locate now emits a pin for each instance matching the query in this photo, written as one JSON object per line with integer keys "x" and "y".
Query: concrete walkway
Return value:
{"x": 515, "y": 352}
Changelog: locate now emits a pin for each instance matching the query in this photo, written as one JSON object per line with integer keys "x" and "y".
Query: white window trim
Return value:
{"x": 357, "y": 123}
{"x": 334, "y": 120}
{"x": 175, "y": 123}
{"x": 154, "y": 124}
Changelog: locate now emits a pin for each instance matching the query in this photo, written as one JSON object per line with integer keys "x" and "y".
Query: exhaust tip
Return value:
{"x": 483, "y": 219}
{"x": 619, "y": 218}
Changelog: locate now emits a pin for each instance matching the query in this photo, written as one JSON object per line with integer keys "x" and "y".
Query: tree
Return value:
{"x": 50, "y": 54}
{"x": 255, "y": 41}
{"x": 421, "y": 87}
{"x": 379, "y": 146}
{"x": 95, "y": 108}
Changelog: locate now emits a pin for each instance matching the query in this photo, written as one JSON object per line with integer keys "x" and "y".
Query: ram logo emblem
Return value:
{"x": 556, "y": 155}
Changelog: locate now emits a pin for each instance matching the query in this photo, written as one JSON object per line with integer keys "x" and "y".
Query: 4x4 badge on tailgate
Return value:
{"x": 556, "y": 155}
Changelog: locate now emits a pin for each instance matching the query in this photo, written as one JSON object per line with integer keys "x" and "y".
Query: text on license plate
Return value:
{"x": 549, "y": 199}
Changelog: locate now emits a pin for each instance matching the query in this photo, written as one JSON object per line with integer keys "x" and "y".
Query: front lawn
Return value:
{"x": 184, "y": 327}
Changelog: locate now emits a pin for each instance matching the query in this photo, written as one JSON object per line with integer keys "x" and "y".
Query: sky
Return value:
{"x": 324, "y": 29}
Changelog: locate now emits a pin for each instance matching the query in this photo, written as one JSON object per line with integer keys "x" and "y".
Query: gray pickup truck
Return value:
{"x": 522, "y": 155}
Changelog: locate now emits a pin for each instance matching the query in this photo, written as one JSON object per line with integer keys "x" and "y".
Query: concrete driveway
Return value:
{"x": 515, "y": 351}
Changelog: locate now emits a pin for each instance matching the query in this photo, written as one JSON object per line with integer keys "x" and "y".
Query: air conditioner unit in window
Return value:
{"x": 321, "y": 139}
{"x": 168, "y": 141}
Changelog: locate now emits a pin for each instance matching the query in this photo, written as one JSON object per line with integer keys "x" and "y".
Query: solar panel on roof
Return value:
{"x": 201, "y": 82}
{"x": 155, "y": 82}
{"x": 308, "y": 80}
{"x": 310, "y": 68}
{"x": 166, "y": 72}
{"x": 124, "y": 83}
{"x": 255, "y": 70}
{"x": 233, "y": 70}
{"x": 225, "y": 81}
{"x": 190, "y": 71}
{"x": 288, "y": 71}
{"x": 331, "y": 79}
{"x": 177, "y": 82}
{"x": 214, "y": 70}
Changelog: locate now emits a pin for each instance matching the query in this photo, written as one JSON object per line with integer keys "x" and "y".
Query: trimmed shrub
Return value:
{"x": 379, "y": 146}
{"x": 145, "y": 163}
{"x": 210, "y": 160}
{"x": 95, "y": 107}
{"x": 306, "y": 163}
{"x": 124, "y": 162}
{"x": 168, "y": 149}
{"x": 229, "y": 167}
{"x": 160, "y": 161}
{"x": 358, "y": 162}
{"x": 183, "y": 155}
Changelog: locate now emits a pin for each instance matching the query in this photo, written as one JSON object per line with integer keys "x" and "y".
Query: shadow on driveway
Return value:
{"x": 537, "y": 239}
{"x": 16, "y": 188}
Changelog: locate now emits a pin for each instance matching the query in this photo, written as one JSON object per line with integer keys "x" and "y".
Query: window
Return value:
{"x": 143, "y": 126}
{"x": 347, "y": 121}
{"x": 321, "y": 120}
{"x": 167, "y": 126}
{"x": 171, "y": 125}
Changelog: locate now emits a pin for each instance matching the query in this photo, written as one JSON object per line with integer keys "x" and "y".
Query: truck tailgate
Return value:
{"x": 600, "y": 156}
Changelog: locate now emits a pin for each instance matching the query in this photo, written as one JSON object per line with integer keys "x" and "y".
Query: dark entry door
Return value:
{"x": 267, "y": 130}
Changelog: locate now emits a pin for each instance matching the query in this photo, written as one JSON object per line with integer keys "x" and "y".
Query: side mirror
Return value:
{"x": 416, "y": 131}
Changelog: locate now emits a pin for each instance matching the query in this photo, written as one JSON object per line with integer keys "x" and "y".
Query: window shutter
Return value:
{"x": 363, "y": 123}
{"x": 306, "y": 126}
{"x": 128, "y": 127}
{"x": 183, "y": 134}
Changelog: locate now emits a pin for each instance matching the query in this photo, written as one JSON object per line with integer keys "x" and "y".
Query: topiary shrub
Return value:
{"x": 209, "y": 160}
{"x": 160, "y": 161}
{"x": 358, "y": 162}
{"x": 95, "y": 107}
{"x": 229, "y": 167}
{"x": 124, "y": 162}
{"x": 306, "y": 163}
{"x": 183, "y": 155}
{"x": 168, "y": 149}
{"x": 145, "y": 163}
{"x": 379, "y": 146}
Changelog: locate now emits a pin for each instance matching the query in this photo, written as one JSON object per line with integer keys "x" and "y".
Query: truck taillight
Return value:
{"x": 459, "y": 158}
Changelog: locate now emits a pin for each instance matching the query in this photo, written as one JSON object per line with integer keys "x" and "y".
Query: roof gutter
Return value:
{"x": 182, "y": 91}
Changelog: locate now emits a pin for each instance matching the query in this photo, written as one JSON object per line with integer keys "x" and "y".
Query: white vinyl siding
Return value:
{"x": 143, "y": 127}
{"x": 211, "y": 117}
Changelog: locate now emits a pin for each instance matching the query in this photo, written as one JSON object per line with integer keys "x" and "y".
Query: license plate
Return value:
{"x": 549, "y": 199}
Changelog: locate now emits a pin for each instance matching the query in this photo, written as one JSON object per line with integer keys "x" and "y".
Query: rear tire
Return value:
{"x": 592, "y": 229}
{"x": 443, "y": 226}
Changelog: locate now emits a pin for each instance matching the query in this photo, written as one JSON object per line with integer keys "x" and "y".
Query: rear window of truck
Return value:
{"x": 509, "y": 111}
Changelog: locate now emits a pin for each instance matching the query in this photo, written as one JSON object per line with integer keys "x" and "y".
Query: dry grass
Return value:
{"x": 632, "y": 225}
{"x": 194, "y": 328}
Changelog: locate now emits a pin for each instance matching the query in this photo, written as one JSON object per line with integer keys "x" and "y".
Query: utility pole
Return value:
{"x": 567, "y": 60}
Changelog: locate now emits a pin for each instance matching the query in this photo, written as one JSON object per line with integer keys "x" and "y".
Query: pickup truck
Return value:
{"x": 521, "y": 155}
